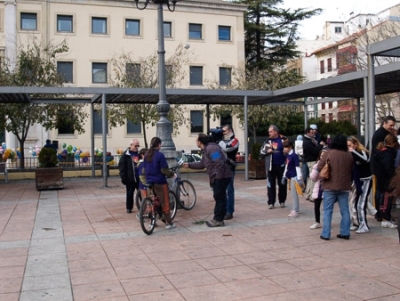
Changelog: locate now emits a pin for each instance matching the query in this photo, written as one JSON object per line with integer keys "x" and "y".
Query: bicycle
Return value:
{"x": 150, "y": 210}
{"x": 183, "y": 190}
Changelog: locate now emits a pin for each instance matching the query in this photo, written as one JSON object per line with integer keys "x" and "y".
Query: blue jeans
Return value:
{"x": 330, "y": 197}
{"x": 230, "y": 201}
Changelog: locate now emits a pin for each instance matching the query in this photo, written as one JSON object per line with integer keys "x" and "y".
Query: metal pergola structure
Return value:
{"x": 366, "y": 83}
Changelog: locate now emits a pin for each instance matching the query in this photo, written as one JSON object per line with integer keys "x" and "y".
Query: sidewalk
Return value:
{"x": 79, "y": 244}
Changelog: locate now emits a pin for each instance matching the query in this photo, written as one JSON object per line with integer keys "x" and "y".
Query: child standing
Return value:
{"x": 293, "y": 174}
{"x": 317, "y": 193}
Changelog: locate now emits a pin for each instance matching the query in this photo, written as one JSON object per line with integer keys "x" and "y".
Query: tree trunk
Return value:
{"x": 21, "y": 150}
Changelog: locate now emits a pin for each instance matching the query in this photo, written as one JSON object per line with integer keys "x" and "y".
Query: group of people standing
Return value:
{"x": 352, "y": 170}
{"x": 139, "y": 169}
{"x": 350, "y": 182}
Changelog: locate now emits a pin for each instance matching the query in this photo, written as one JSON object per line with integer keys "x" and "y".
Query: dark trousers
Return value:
{"x": 317, "y": 209}
{"x": 275, "y": 176}
{"x": 219, "y": 194}
{"x": 130, "y": 191}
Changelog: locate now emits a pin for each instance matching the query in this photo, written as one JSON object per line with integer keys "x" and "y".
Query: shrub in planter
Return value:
{"x": 48, "y": 157}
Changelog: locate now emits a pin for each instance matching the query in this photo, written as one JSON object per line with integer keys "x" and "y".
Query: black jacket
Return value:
{"x": 379, "y": 136}
{"x": 385, "y": 170}
{"x": 127, "y": 171}
{"x": 310, "y": 150}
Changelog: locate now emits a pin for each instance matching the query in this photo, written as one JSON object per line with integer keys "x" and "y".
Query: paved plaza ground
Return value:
{"x": 79, "y": 244}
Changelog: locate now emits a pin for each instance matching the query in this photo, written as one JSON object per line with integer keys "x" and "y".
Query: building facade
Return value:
{"x": 96, "y": 31}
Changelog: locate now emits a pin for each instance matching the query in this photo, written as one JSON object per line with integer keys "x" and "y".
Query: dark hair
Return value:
{"x": 229, "y": 127}
{"x": 203, "y": 138}
{"x": 143, "y": 151}
{"x": 287, "y": 143}
{"x": 339, "y": 143}
{"x": 155, "y": 142}
{"x": 388, "y": 118}
{"x": 48, "y": 141}
{"x": 308, "y": 129}
{"x": 390, "y": 141}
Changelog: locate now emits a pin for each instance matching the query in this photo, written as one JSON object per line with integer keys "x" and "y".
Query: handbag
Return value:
{"x": 325, "y": 171}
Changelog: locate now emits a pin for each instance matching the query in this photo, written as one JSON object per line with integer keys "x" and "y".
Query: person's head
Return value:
{"x": 310, "y": 132}
{"x": 388, "y": 123}
{"x": 155, "y": 144}
{"x": 355, "y": 144}
{"x": 314, "y": 127}
{"x": 273, "y": 131}
{"x": 299, "y": 137}
{"x": 134, "y": 145}
{"x": 390, "y": 141}
{"x": 202, "y": 141}
{"x": 48, "y": 141}
{"x": 227, "y": 130}
{"x": 143, "y": 152}
{"x": 339, "y": 143}
{"x": 287, "y": 146}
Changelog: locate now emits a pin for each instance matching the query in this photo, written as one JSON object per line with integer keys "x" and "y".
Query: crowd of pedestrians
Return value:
{"x": 357, "y": 174}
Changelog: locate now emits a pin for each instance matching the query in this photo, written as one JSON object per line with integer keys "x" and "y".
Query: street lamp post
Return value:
{"x": 163, "y": 126}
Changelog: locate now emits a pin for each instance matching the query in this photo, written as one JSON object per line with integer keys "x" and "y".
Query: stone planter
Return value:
{"x": 257, "y": 169}
{"x": 49, "y": 178}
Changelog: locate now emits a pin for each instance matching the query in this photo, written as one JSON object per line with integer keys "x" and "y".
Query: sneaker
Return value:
{"x": 353, "y": 228}
{"x": 215, "y": 223}
{"x": 362, "y": 230}
{"x": 315, "y": 226}
{"x": 282, "y": 205}
{"x": 293, "y": 214}
{"x": 387, "y": 224}
{"x": 271, "y": 206}
{"x": 170, "y": 226}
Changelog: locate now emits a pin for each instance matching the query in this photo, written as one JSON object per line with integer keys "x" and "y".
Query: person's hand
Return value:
{"x": 186, "y": 165}
{"x": 300, "y": 181}
{"x": 175, "y": 175}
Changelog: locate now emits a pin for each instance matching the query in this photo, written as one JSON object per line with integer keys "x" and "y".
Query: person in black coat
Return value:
{"x": 387, "y": 125}
{"x": 385, "y": 170}
{"x": 129, "y": 172}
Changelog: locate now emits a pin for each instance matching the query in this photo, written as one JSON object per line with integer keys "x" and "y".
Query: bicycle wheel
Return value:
{"x": 172, "y": 204}
{"x": 187, "y": 194}
{"x": 147, "y": 216}
{"x": 138, "y": 199}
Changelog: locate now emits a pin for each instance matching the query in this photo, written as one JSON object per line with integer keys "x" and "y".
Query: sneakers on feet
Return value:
{"x": 362, "y": 230}
{"x": 282, "y": 205}
{"x": 293, "y": 214}
{"x": 271, "y": 206}
{"x": 215, "y": 223}
{"x": 353, "y": 228}
{"x": 315, "y": 226}
{"x": 387, "y": 224}
{"x": 170, "y": 226}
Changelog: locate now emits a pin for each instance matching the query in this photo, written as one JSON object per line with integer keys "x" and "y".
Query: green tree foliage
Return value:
{"x": 133, "y": 72}
{"x": 259, "y": 117}
{"x": 271, "y": 32}
{"x": 36, "y": 66}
